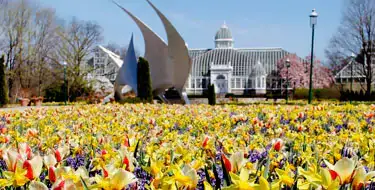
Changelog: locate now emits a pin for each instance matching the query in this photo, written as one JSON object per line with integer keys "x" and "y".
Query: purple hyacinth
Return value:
{"x": 143, "y": 177}
{"x": 218, "y": 147}
{"x": 323, "y": 165}
{"x": 218, "y": 155}
{"x": 220, "y": 173}
{"x": 254, "y": 156}
{"x": 338, "y": 128}
{"x": 76, "y": 162}
{"x": 231, "y": 114}
{"x": 263, "y": 130}
{"x": 3, "y": 165}
{"x": 93, "y": 173}
{"x": 347, "y": 152}
{"x": 264, "y": 154}
{"x": 202, "y": 178}
{"x": 43, "y": 176}
{"x": 268, "y": 147}
{"x": 371, "y": 186}
{"x": 367, "y": 169}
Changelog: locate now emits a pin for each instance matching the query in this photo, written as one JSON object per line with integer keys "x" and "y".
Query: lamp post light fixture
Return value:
{"x": 313, "y": 22}
{"x": 65, "y": 87}
{"x": 287, "y": 78}
{"x": 351, "y": 76}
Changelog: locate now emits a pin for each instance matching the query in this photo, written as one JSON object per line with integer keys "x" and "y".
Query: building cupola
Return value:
{"x": 223, "y": 38}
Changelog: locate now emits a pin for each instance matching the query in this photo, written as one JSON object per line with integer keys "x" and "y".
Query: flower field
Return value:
{"x": 188, "y": 147}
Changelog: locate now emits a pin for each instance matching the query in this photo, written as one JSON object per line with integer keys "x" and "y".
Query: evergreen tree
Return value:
{"x": 3, "y": 88}
{"x": 211, "y": 95}
{"x": 144, "y": 80}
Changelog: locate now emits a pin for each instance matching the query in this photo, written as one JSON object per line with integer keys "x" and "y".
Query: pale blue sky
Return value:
{"x": 254, "y": 23}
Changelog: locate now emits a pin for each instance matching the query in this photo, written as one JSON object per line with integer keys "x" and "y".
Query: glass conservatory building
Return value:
{"x": 234, "y": 70}
{"x": 231, "y": 70}
{"x": 104, "y": 63}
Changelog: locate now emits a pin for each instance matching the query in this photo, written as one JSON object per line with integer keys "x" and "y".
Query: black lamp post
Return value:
{"x": 65, "y": 87}
{"x": 287, "y": 78}
{"x": 313, "y": 22}
{"x": 351, "y": 77}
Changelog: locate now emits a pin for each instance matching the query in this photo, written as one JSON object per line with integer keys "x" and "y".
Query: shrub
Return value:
{"x": 131, "y": 101}
{"x": 55, "y": 93}
{"x": 3, "y": 86}
{"x": 301, "y": 93}
{"x": 144, "y": 80}
{"x": 211, "y": 95}
{"x": 229, "y": 95}
{"x": 320, "y": 94}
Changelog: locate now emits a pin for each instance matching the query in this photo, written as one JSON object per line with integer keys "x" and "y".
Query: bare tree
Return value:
{"x": 29, "y": 38}
{"x": 78, "y": 39}
{"x": 44, "y": 42}
{"x": 117, "y": 49}
{"x": 120, "y": 50}
{"x": 356, "y": 34}
{"x": 35, "y": 44}
{"x": 16, "y": 17}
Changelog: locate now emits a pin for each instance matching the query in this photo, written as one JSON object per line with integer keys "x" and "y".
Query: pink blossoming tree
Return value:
{"x": 299, "y": 72}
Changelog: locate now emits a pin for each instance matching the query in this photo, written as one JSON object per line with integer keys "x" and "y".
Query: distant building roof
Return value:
{"x": 242, "y": 59}
{"x": 223, "y": 33}
{"x": 116, "y": 58}
{"x": 258, "y": 70}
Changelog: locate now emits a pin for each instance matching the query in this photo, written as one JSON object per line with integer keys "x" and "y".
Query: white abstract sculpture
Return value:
{"x": 127, "y": 75}
{"x": 177, "y": 51}
{"x": 156, "y": 53}
{"x": 169, "y": 64}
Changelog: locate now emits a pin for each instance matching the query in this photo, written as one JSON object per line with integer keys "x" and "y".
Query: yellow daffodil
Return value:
{"x": 285, "y": 178}
{"x": 320, "y": 179}
{"x": 16, "y": 178}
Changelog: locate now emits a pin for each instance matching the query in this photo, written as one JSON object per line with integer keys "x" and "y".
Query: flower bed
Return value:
{"x": 148, "y": 146}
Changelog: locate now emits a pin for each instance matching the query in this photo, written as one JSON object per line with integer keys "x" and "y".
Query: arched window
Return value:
{"x": 220, "y": 77}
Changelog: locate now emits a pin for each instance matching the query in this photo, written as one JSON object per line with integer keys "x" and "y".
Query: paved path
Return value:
{"x": 25, "y": 108}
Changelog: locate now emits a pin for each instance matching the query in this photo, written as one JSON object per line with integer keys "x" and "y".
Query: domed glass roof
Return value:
{"x": 223, "y": 33}
{"x": 258, "y": 70}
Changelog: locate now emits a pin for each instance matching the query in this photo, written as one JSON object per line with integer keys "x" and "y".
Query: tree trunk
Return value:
{"x": 369, "y": 74}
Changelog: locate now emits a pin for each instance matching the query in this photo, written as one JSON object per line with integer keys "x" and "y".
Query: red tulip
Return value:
{"x": 227, "y": 163}
{"x": 51, "y": 174}
{"x": 126, "y": 141}
{"x": 33, "y": 167}
{"x": 205, "y": 142}
{"x": 60, "y": 186}
{"x": 334, "y": 174}
{"x": 105, "y": 173}
{"x": 278, "y": 145}
{"x": 58, "y": 155}
{"x": 126, "y": 162}
{"x": 29, "y": 169}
